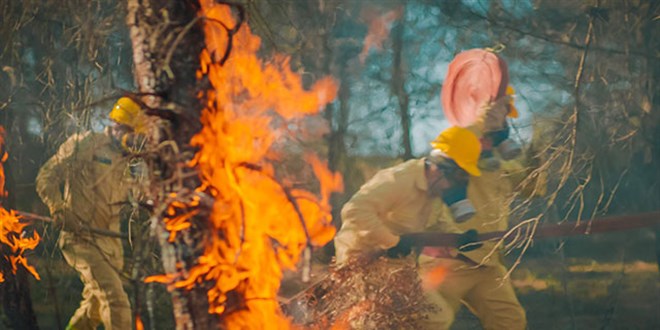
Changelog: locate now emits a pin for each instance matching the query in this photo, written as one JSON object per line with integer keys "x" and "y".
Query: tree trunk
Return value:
{"x": 16, "y": 301}
{"x": 167, "y": 39}
{"x": 398, "y": 88}
{"x": 336, "y": 114}
{"x": 336, "y": 143}
{"x": 650, "y": 37}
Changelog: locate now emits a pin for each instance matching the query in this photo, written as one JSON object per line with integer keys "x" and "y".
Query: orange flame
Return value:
{"x": 11, "y": 229}
{"x": 138, "y": 323}
{"x": 379, "y": 29}
{"x": 433, "y": 278}
{"x": 260, "y": 226}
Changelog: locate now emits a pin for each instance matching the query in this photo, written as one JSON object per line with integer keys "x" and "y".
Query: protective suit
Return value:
{"x": 84, "y": 185}
{"x": 394, "y": 202}
{"x": 475, "y": 277}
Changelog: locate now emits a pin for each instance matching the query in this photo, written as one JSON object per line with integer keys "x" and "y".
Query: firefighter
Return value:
{"x": 477, "y": 278}
{"x": 402, "y": 199}
{"x": 84, "y": 185}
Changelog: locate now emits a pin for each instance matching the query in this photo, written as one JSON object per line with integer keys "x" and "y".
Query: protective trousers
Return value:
{"x": 104, "y": 300}
{"x": 481, "y": 288}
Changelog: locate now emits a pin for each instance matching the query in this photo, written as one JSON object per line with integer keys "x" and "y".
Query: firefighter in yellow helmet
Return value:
{"x": 477, "y": 278}
{"x": 405, "y": 198}
{"x": 127, "y": 113}
{"x": 84, "y": 185}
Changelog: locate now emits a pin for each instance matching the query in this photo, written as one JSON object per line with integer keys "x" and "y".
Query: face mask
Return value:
{"x": 456, "y": 195}
{"x": 507, "y": 148}
{"x": 459, "y": 205}
{"x": 488, "y": 161}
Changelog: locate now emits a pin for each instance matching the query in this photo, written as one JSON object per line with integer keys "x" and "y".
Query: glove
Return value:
{"x": 63, "y": 220}
{"x": 488, "y": 162}
{"x": 468, "y": 241}
{"x": 58, "y": 218}
{"x": 401, "y": 249}
{"x": 494, "y": 114}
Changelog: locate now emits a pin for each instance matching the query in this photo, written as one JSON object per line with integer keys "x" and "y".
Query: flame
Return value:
{"x": 11, "y": 229}
{"x": 260, "y": 224}
{"x": 138, "y": 323}
{"x": 433, "y": 278}
{"x": 379, "y": 30}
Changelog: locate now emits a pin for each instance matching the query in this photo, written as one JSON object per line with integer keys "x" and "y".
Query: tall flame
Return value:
{"x": 261, "y": 225}
{"x": 11, "y": 229}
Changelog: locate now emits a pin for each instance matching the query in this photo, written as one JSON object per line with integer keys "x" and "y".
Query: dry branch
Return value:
{"x": 103, "y": 232}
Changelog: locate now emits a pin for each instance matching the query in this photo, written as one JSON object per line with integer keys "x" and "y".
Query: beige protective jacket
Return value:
{"x": 394, "y": 202}
{"x": 88, "y": 179}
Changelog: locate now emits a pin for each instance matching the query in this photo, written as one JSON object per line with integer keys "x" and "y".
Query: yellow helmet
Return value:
{"x": 462, "y": 146}
{"x": 127, "y": 112}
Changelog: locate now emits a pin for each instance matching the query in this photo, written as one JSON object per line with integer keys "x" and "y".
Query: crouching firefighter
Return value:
{"x": 84, "y": 185}
{"x": 405, "y": 198}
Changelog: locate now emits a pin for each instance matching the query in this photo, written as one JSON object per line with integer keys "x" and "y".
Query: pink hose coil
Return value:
{"x": 475, "y": 77}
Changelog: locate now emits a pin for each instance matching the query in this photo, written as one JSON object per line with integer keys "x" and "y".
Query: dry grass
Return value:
{"x": 378, "y": 294}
